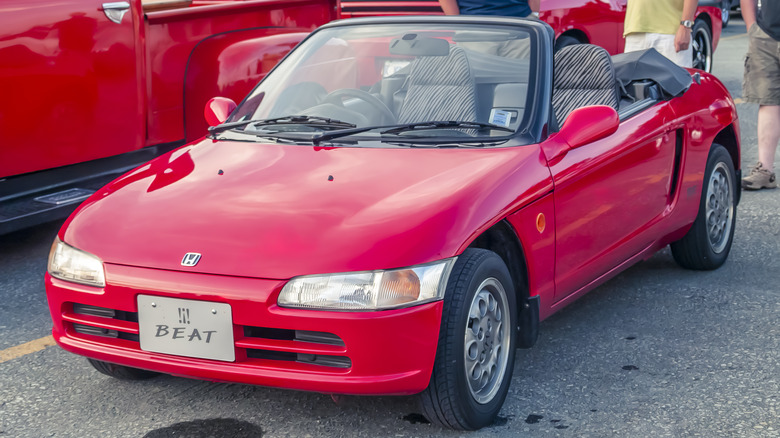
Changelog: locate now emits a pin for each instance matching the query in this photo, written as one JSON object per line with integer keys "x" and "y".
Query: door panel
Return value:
{"x": 607, "y": 193}
{"x": 70, "y": 84}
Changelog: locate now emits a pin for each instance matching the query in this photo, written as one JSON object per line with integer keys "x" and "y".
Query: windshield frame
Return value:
{"x": 535, "y": 124}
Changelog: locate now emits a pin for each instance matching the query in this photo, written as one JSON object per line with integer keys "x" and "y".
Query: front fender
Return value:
{"x": 230, "y": 65}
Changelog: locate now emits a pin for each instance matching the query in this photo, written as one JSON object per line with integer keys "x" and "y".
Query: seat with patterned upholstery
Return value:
{"x": 440, "y": 88}
{"x": 583, "y": 76}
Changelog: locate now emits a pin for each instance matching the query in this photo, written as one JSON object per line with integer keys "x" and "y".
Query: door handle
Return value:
{"x": 115, "y": 11}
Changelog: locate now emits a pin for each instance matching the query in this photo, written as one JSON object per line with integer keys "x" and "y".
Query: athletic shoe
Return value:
{"x": 759, "y": 178}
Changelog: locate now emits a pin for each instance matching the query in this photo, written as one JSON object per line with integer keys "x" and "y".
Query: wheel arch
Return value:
{"x": 706, "y": 18}
{"x": 580, "y": 35}
{"x": 502, "y": 240}
{"x": 727, "y": 137}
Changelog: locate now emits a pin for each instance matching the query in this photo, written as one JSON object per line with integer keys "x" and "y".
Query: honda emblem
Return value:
{"x": 190, "y": 259}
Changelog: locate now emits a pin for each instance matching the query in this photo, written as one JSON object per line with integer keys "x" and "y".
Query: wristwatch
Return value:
{"x": 687, "y": 23}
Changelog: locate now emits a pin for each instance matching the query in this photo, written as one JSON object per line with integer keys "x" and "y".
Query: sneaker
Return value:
{"x": 759, "y": 178}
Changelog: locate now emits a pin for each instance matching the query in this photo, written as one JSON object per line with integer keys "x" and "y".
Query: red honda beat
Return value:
{"x": 394, "y": 209}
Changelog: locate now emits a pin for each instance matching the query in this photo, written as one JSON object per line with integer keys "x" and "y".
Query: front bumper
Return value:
{"x": 386, "y": 352}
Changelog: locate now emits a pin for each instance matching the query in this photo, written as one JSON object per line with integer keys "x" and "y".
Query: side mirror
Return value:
{"x": 217, "y": 110}
{"x": 588, "y": 124}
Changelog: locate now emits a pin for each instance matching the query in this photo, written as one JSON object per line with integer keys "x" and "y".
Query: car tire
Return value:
{"x": 725, "y": 12}
{"x": 565, "y": 41}
{"x": 707, "y": 244}
{"x": 479, "y": 306}
{"x": 121, "y": 372}
{"x": 701, "y": 40}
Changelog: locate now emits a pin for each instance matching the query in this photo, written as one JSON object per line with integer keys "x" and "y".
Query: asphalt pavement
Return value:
{"x": 658, "y": 351}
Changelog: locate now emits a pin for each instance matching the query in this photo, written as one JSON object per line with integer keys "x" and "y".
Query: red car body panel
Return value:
{"x": 261, "y": 213}
{"x": 596, "y": 240}
{"x": 79, "y": 87}
{"x": 402, "y": 366}
{"x": 64, "y": 71}
{"x": 365, "y": 217}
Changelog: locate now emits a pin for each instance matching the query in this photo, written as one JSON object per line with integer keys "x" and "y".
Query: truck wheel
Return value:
{"x": 565, "y": 41}
{"x": 476, "y": 351}
{"x": 121, "y": 372}
{"x": 707, "y": 244}
{"x": 701, "y": 39}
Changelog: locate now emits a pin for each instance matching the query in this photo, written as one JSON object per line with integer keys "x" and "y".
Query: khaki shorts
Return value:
{"x": 761, "y": 83}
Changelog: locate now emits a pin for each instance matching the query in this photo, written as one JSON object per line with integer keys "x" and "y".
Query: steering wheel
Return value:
{"x": 335, "y": 97}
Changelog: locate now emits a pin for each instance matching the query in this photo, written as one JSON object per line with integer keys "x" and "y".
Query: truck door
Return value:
{"x": 70, "y": 81}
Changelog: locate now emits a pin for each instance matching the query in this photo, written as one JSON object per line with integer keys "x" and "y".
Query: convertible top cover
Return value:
{"x": 651, "y": 65}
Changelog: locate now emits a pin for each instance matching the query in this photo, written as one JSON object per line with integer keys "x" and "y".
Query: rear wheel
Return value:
{"x": 476, "y": 351}
{"x": 701, "y": 40}
{"x": 121, "y": 372}
{"x": 707, "y": 244}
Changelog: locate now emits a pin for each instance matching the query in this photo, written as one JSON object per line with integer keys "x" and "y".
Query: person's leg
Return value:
{"x": 762, "y": 175}
{"x": 768, "y": 135}
{"x": 761, "y": 85}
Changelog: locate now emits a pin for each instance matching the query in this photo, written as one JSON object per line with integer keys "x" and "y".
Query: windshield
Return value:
{"x": 393, "y": 81}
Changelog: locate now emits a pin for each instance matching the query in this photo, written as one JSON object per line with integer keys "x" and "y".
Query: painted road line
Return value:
{"x": 26, "y": 348}
{"x": 733, "y": 37}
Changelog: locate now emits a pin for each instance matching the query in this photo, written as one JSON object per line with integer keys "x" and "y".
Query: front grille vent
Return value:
{"x": 95, "y": 331}
{"x": 102, "y": 321}
{"x": 318, "y": 338}
{"x": 83, "y": 309}
{"x": 302, "y": 346}
{"x": 104, "y": 312}
{"x": 313, "y": 359}
{"x": 293, "y": 335}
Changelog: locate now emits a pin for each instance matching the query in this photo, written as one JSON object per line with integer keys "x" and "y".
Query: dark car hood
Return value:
{"x": 277, "y": 211}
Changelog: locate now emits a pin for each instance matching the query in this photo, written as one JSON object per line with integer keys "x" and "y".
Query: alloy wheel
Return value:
{"x": 487, "y": 339}
{"x": 702, "y": 47}
{"x": 720, "y": 207}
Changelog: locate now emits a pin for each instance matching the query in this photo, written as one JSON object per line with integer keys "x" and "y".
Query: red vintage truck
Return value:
{"x": 92, "y": 88}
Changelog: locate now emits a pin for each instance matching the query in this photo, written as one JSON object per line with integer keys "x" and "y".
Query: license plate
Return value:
{"x": 191, "y": 328}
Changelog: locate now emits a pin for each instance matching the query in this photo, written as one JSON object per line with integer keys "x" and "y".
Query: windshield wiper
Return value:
{"x": 395, "y": 129}
{"x": 444, "y": 124}
{"x": 316, "y": 121}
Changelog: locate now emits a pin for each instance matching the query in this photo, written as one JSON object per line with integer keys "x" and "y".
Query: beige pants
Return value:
{"x": 663, "y": 43}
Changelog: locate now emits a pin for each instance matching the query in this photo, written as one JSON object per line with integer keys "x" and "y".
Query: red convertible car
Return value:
{"x": 394, "y": 209}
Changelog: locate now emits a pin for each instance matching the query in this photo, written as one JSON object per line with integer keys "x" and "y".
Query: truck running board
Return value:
{"x": 35, "y": 198}
{"x": 37, "y": 208}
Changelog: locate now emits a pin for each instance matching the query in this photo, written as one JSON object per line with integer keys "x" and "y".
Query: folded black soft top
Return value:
{"x": 651, "y": 65}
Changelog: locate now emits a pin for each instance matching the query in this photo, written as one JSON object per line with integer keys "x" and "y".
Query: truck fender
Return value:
{"x": 230, "y": 65}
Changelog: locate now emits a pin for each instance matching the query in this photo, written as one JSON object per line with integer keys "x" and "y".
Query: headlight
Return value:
{"x": 371, "y": 290}
{"x": 70, "y": 264}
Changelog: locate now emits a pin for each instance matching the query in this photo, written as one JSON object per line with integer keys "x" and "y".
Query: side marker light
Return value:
{"x": 541, "y": 222}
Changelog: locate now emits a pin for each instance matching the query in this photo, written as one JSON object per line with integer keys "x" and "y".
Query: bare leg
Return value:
{"x": 768, "y": 134}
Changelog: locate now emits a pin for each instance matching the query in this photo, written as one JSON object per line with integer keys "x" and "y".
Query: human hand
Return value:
{"x": 682, "y": 39}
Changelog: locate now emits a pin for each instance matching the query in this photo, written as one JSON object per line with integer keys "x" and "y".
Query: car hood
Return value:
{"x": 277, "y": 211}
